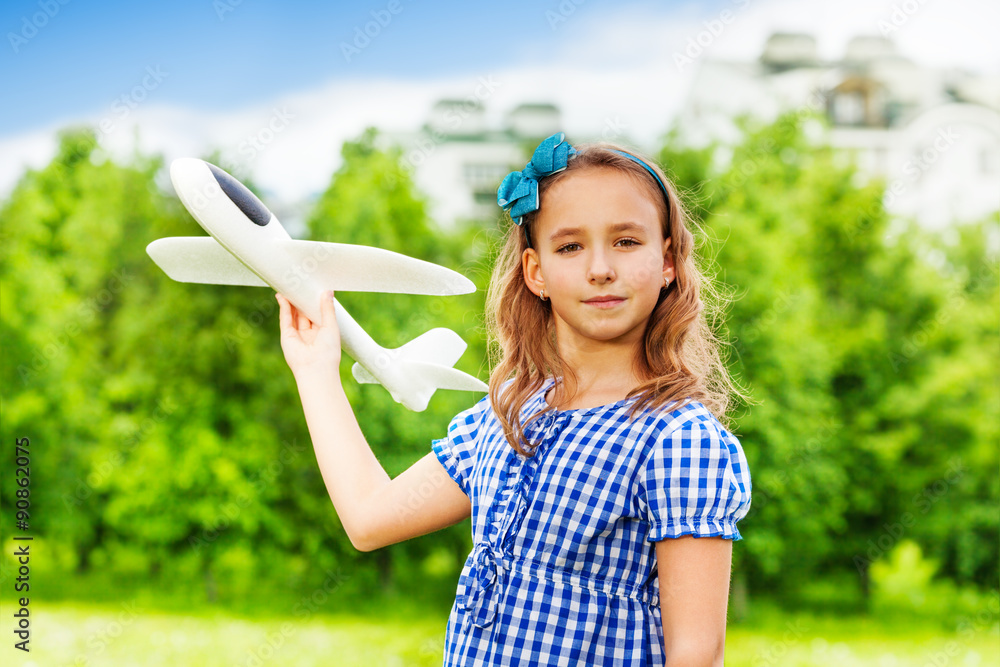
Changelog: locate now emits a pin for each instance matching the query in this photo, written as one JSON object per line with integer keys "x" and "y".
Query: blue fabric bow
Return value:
{"x": 518, "y": 194}
{"x": 481, "y": 596}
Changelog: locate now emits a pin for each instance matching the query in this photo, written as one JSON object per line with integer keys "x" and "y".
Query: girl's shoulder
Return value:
{"x": 674, "y": 416}
{"x": 691, "y": 425}
{"x": 473, "y": 414}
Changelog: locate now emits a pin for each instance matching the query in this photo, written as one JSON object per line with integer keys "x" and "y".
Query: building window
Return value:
{"x": 849, "y": 108}
{"x": 484, "y": 176}
{"x": 484, "y": 197}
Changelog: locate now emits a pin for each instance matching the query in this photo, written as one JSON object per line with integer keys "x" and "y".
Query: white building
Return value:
{"x": 934, "y": 135}
{"x": 459, "y": 161}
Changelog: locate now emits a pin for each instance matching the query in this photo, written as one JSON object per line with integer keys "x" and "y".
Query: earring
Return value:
{"x": 666, "y": 281}
{"x": 542, "y": 295}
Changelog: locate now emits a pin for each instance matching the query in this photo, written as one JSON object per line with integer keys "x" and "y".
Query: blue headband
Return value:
{"x": 518, "y": 193}
{"x": 663, "y": 188}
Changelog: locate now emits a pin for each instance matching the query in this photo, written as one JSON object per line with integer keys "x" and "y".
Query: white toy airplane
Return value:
{"x": 248, "y": 246}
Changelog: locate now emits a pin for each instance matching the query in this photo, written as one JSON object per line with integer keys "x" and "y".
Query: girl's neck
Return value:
{"x": 592, "y": 387}
{"x": 557, "y": 398}
{"x": 596, "y": 371}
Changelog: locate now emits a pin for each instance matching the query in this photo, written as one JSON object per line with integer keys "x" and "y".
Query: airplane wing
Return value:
{"x": 357, "y": 268}
{"x": 200, "y": 259}
{"x": 336, "y": 266}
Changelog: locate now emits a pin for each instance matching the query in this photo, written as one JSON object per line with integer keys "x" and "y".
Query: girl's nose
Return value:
{"x": 600, "y": 270}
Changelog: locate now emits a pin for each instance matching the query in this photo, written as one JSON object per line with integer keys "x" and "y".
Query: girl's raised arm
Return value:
{"x": 375, "y": 510}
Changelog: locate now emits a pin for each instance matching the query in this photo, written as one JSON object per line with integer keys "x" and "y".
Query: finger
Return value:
{"x": 327, "y": 309}
{"x": 303, "y": 321}
{"x": 294, "y": 315}
{"x": 290, "y": 318}
{"x": 284, "y": 313}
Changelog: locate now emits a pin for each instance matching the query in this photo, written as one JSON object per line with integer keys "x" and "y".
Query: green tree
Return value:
{"x": 853, "y": 340}
{"x": 64, "y": 270}
{"x": 169, "y": 439}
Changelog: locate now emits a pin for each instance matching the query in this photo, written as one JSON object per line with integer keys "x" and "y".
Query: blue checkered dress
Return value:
{"x": 563, "y": 567}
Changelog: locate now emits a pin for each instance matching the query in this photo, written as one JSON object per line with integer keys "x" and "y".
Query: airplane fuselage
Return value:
{"x": 240, "y": 222}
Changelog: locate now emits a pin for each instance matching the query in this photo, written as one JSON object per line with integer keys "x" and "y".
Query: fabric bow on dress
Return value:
{"x": 481, "y": 595}
{"x": 488, "y": 574}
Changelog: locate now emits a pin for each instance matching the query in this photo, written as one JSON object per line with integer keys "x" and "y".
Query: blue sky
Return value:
{"x": 201, "y": 75}
{"x": 222, "y": 54}
{"x": 228, "y": 53}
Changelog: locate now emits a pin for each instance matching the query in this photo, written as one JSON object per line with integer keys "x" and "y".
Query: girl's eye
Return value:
{"x": 629, "y": 242}
{"x": 568, "y": 247}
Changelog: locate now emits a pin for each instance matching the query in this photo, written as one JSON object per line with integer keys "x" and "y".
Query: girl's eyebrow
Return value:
{"x": 616, "y": 228}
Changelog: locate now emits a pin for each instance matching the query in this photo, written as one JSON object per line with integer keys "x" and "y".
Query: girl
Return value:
{"x": 603, "y": 488}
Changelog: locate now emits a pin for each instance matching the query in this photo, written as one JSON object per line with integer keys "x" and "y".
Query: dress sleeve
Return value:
{"x": 457, "y": 450}
{"x": 695, "y": 481}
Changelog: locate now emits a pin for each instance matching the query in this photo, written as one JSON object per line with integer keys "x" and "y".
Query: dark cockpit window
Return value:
{"x": 240, "y": 195}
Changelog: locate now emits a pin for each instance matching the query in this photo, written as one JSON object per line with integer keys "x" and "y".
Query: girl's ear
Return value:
{"x": 668, "y": 261}
{"x": 532, "y": 270}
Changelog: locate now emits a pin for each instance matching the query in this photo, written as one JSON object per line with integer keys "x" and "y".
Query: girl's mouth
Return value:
{"x": 605, "y": 301}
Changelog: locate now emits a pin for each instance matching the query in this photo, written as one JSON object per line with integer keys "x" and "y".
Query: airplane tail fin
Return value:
{"x": 426, "y": 362}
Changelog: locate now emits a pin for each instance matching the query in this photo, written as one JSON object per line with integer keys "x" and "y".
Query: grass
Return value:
{"x": 121, "y": 634}
{"x": 817, "y": 641}
{"x": 79, "y": 635}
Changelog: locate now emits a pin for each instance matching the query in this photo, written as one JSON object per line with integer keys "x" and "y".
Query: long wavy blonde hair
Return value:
{"x": 679, "y": 359}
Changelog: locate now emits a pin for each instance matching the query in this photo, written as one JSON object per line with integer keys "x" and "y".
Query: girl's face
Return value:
{"x": 600, "y": 256}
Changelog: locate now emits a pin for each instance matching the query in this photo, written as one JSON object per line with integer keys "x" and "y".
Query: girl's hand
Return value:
{"x": 309, "y": 346}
